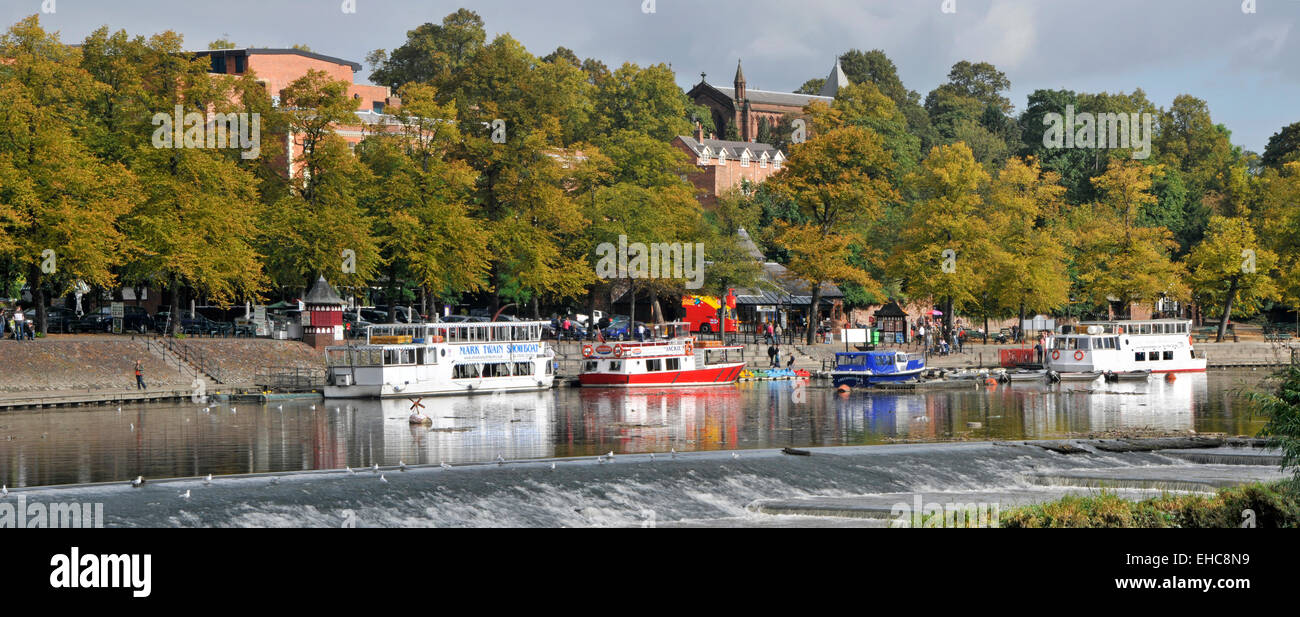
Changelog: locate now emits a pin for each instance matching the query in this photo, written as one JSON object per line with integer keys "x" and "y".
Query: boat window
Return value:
{"x": 465, "y": 371}
{"x": 591, "y": 366}
{"x": 548, "y": 368}
{"x": 673, "y": 363}
{"x": 616, "y": 365}
{"x": 1085, "y": 344}
{"x": 1169, "y": 355}
{"x": 1140, "y": 356}
{"x": 653, "y": 366}
{"x": 523, "y": 368}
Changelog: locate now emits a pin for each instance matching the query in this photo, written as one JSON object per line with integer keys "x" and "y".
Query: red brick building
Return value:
{"x": 725, "y": 165}
{"x": 745, "y": 108}
{"x": 277, "y": 68}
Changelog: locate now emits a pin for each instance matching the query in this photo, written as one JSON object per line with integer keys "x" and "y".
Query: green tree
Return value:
{"x": 432, "y": 53}
{"x": 1230, "y": 269}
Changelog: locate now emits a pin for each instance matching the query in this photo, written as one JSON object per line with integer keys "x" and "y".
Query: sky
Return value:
{"x": 1241, "y": 56}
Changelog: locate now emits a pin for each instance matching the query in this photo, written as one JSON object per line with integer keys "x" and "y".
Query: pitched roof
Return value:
{"x": 788, "y": 99}
{"x": 322, "y": 293}
{"x": 734, "y": 148}
{"x": 836, "y": 80}
{"x": 780, "y": 287}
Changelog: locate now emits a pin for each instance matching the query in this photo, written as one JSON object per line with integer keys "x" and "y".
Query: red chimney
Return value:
{"x": 699, "y": 132}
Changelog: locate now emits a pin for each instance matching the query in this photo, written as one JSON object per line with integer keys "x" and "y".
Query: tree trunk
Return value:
{"x": 656, "y": 313}
{"x": 1020, "y": 327}
{"x": 38, "y": 297}
{"x": 1227, "y": 307}
{"x": 175, "y": 314}
{"x": 592, "y": 324}
{"x": 813, "y": 313}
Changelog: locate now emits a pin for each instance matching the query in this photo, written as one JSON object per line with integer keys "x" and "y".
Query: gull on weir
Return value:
{"x": 401, "y": 465}
{"x": 351, "y": 472}
{"x": 444, "y": 465}
{"x": 208, "y": 480}
{"x": 734, "y": 455}
{"x": 185, "y": 495}
{"x": 501, "y": 460}
{"x": 383, "y": 479}
{"x": 4, "y": 491}
{"x": 375, "y": 468}
{"x": 137, "y": 482}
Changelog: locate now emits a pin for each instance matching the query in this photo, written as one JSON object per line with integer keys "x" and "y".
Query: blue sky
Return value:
{"x": 1245, "y": 64}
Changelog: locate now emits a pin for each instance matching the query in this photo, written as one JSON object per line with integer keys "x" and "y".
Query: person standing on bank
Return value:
{"x": 771, "y": 355}
{"x": 139, "y": 377}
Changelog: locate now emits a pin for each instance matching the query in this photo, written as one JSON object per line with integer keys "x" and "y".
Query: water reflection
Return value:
{"x": 60, "y": 446}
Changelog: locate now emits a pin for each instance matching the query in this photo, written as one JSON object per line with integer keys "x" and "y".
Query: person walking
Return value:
{"x": 139, "y": 377}
{"x": 776, "y": 358}
{"x": 771, "y": 355}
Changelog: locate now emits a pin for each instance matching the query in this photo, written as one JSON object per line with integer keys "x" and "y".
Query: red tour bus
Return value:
{"x": 702, "y": 312}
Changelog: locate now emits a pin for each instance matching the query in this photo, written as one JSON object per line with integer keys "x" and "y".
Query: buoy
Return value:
{"x": 1170, "y": 377}
{"x": 844, "y": 389}
{"x": 990, "y": 382}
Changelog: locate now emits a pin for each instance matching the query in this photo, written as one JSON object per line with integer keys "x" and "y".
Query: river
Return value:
{"x": 102, "y": 444}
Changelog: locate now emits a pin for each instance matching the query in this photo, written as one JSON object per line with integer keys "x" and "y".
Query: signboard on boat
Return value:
{"x": 496, "y": 352}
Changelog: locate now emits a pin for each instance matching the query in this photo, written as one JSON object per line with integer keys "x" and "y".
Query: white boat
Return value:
{"x": 1129, "y": 376}
{"x": 414, "y": 360}
{"x": 1026, "y": 376}
{"x": 1080, "y": 377}
{"x": 1157, "y": 346}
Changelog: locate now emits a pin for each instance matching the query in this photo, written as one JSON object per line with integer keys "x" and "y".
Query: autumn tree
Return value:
{"x": 1230, "y": 269}
{"x": 60, "y": 206}
{"x": 837, "y": 181}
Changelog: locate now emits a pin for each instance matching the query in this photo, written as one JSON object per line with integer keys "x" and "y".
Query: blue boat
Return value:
{"x": 872, "y": 367}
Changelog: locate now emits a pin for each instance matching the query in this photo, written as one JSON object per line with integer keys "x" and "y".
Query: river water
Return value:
{"x": 102, "y": 444}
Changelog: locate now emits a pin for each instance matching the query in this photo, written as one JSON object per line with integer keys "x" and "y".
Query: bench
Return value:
{"x": 1278, "y": 338}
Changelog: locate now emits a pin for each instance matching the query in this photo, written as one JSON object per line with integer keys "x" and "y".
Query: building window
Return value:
{"x": 378, "y": 107}
{"x": 744, "y": 159}
{"x": 722, "y": 158}
{"x": 705, "y": 156}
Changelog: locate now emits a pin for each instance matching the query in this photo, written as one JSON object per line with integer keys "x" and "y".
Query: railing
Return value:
{"x": 196, "y": 359}
{"x": 290, "y": 378}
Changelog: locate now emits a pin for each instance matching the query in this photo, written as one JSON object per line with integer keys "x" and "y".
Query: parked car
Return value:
{"x": 404, "y": 314}
{"x": 134, "y": 319}
{"x": 192, "y": 324}
{"x": 623, "y": 329}
{"x": 59, "y": 320}
{"x": 354, "y": 326}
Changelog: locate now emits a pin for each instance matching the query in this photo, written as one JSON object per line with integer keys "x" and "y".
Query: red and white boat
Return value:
{"x": 664, "y": 360}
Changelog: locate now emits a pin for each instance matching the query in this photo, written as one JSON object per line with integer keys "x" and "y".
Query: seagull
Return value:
{"x": 4, "y": 490}
{"x": 734, "y": 455}
{"x": 652, "y": 456}
{"x": 375, "y": 468}
{"x": 139, "y": 480}
{"x": 501, "y": 460}
{"x": 208, "y": 480}
{"x": 444, "y": 465}
{"x": 133, "y": 427}
{"x": 275, "y": 480}
{"x": 313, "y": 408}
{"x": 610, "y": 455}
{"x": 234, "y": 411}
{"x": 351, "y": 472}
{"x": 185, "y": 495}
{"x": 552, "y": 467}
{"x": 119, "y": 410}
{"x": 383, "y": 479}
{"x": 401, "y": 465}
{"x": 674, "y": 451}
{"x": 601, "y": 459}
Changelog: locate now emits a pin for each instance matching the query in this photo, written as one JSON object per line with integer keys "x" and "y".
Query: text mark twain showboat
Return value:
{"x": 670, "y": 360}
{"x": 441, "y": 358}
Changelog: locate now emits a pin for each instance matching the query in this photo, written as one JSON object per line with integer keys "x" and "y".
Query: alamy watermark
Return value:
{"x": 658, "y": 260}
{"x": 1096, "y": 131}
{"x": 72, "y": 515}
{"x": 193, "y": 130}
{"x": 947, "y": 515}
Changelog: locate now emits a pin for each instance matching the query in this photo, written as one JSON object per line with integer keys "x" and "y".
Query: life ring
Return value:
{"x": 586, "y": 351}
{"x": 1078, "y": 355}
{"x": 618, "y": 351}
{"x": 437, "y": 339}
{"x": 1056, "y": 354}
{"x": 690, "y": 347}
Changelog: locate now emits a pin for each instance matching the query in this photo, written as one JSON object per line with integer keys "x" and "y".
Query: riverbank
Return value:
{"x": 88, "y": 364}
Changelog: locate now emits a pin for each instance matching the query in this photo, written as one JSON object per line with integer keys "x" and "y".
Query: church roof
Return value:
{"x": 322, "y": 293}
{"x": 769, "y": 97}
{"x": 836, "y": 80}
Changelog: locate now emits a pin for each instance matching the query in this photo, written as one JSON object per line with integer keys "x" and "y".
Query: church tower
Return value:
{"x": 743, "y": 130}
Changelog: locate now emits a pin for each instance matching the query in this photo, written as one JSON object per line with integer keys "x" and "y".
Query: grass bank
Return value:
{"x": 1274, "y": 505}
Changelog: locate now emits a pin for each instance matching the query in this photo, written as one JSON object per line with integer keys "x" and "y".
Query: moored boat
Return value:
{"x": 1154, "y": 346}
{"x": 441, "y": 358}
{"x": 669, "y": 360}
{"x": 857, "y": 369}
